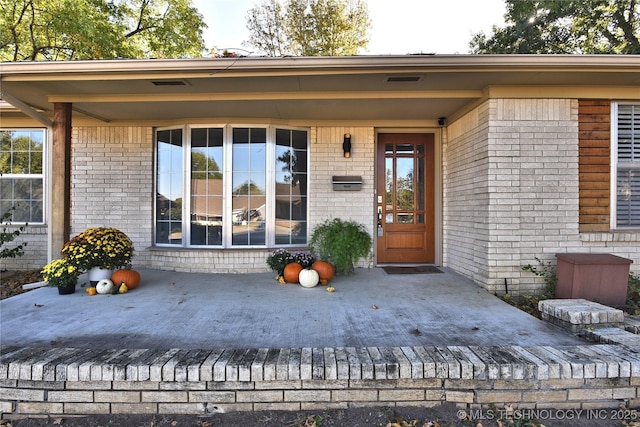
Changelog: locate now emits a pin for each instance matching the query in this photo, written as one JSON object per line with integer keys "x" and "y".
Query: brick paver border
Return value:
{"x": 176, "y": 381}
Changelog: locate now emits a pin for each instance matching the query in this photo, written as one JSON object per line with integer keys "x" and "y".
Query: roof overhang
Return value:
{"x": 311, "y": 90}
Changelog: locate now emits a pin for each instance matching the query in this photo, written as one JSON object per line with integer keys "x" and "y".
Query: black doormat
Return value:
{"x": 422, "y": 269}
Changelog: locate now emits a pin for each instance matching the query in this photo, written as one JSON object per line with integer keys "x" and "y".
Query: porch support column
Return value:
{"x": 60, "y": 225}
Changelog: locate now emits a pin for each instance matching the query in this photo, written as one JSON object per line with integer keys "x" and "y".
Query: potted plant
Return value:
{"x": 61, "y": 274}
{"x": 100, "y": 248}
{"x": 278, "y": 260}
{"x": 342, "y": 243}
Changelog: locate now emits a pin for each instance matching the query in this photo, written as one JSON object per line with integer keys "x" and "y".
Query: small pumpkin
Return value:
{"x": 129, "y": 277}
{"x": 291, "y": 272}
{"x": 325, "y": 270}
{"x": 309, "y": 278}
{"x": 91, "y": 290}
{"x": 104, "y": 286}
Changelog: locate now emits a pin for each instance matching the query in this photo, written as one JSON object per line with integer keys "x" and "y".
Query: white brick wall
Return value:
{"x": 112, "y": 182}
{"x": 465, "y": 168}
{"x": 510, "y": 179}
{"x": 35, "y": 251}
{"x": 510, "y": 194}
{"x": 113, "y": 186}
{"x": 327, "y": 160}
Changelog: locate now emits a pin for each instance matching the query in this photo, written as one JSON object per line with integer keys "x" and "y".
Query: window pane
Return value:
{"x": 206, "y": 186}
{"x": 628, "y": 173}
{"x": 420, "y": 184}
{"x": 291, "y": 187}
{"x": 249, "y": 186}
{"x": 404, "y": 218}
{"x": 628, "y": 198}
{"x": 404, "y": 184}
{"x": 404, "y": 148}
{"x": 21, "y": 155}
{"x": 388, "y": 183}
{"x": 169, "y": 185}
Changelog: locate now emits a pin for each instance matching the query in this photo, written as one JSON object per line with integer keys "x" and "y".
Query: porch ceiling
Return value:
{"x": 304, "y": 89}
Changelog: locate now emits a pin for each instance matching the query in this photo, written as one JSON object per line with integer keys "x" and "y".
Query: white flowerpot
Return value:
{"x": 97, "y": 273}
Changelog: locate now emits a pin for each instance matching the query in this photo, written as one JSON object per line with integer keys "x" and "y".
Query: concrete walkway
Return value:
{"x": 224, "y": 311}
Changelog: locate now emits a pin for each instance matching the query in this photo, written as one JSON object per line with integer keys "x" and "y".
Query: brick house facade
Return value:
{"x": 522, "y": 167}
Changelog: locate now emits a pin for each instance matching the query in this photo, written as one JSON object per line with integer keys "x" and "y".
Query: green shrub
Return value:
{"x": 342, "y": 243}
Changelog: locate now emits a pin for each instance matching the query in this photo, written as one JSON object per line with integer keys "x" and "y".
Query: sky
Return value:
{"x": 398, "y": 26}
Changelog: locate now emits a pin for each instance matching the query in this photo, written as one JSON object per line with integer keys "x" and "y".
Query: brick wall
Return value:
{"x": 510, "y": 193}
{"x": 327, "y": 160}
{"x": 113, "y": 186}
{"x": 80, "y": 382}
{"x": 465, "y": 168}
{"x": 112, "y": 182}
{"x": 517, "y": 161}
{"x": 35, "y": 251}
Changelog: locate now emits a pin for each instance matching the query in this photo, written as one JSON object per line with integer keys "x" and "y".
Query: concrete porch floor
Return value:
{"x": 213, "y": 311}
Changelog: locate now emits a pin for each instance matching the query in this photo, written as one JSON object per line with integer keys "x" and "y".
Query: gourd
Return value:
{"x": 131, "y": 278}
{"x": 123, "y": 289}
{"x": 308, "y": 278}
{"x": 325, "y": 270}
{"x": 104, "y": 286}
{"x": 291, "y": 272}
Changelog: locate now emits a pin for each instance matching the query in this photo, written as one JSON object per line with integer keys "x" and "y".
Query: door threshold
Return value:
{"x": 425, "y": 264}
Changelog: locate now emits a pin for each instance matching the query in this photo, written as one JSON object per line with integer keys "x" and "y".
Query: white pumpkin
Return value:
{"x": 104, "y": 286}
{"x": 308, "y": 278}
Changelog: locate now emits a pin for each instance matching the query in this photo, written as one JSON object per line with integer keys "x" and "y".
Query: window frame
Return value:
{"x": 615, "y": 165}
{"x": 42, "y": 176}
{"x": 227, "y": 196}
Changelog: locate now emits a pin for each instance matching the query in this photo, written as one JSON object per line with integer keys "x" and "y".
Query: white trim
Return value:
{"x": 613, "y": 174}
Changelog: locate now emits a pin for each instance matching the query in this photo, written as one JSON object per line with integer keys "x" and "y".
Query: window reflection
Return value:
{"x": 169, "y": 187}
{"x": 248, "y": 200}
{"x": 206, "y": 186}
{"x": 291, "y": 187}
{"x": 240, "y": 198}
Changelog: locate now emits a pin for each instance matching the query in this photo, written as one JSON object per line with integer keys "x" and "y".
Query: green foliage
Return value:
{"x": 36, "y": 30}
{"x": 309, "y": 27}
{"x": 565, "y": 27}
{"x": 7, "y": 236}
{"x": 548, "y": 272}
{"x": 342, "y": 243}
{"x": 279, "y": 259}
{"x": 633, "y": 294}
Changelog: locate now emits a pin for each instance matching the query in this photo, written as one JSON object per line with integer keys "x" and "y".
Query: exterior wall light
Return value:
{"x": 346, "y": 145}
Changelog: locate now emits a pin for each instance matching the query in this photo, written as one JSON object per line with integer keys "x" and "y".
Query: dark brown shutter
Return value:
{"x": 594, "y": 136}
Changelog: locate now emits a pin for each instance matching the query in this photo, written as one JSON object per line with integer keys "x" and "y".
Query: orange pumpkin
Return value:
{"x": 131, "y": 278}
{"x": 291, "y": 272}
{"x": 325, "y": 270}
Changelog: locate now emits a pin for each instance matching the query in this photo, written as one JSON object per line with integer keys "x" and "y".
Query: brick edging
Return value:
{"x": 79, "y": 381}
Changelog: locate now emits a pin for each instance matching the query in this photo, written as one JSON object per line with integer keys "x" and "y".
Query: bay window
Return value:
{"x": 231, "y": 186}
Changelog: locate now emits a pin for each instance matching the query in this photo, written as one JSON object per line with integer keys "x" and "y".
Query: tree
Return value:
{"x": 309, "y": 27}
{"x": 33, "y": 30}
{"x": 568, "y": 26}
